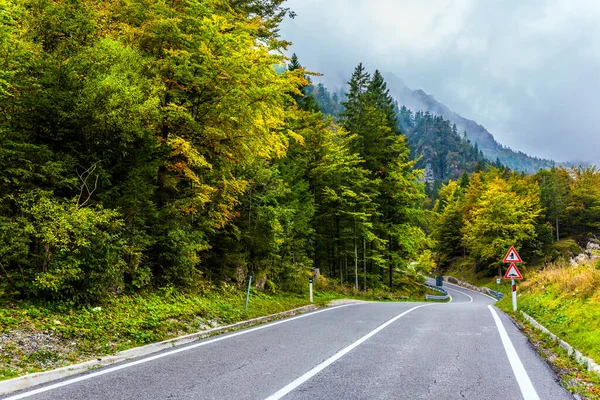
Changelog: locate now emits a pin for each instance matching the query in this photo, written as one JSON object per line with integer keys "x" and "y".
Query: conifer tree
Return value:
{"x": 303, "y": 97}
{"x": 370, "y": 113}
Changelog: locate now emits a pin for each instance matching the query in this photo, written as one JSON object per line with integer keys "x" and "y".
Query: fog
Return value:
{"x": 527, "y": 72}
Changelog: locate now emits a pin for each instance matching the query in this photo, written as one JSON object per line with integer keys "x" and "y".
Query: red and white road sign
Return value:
{"x": 512, "y": 256}
{"x": 513, "y": 272}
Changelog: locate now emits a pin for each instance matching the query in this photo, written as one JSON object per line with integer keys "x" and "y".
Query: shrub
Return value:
{"x": 65, "y": 251}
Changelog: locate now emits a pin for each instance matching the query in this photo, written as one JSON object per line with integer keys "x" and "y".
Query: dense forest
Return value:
{"x": 418, "y": 100}
{"x": 435, "y": 143}
{"x": 151, "y": 143}
{"x": 483, "y": 215}
{"x": 147, "y": 144}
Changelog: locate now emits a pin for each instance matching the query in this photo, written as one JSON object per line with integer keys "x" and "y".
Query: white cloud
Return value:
{"x": 522, "y": 69}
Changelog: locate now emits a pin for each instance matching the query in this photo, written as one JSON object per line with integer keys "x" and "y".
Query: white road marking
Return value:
{"x": 527, "y": 389}
{"x": 471, "y": 290}
{"x": 161, "y": 355}
{"x": 464, "y": 294}
{"x": 300, "y": 380}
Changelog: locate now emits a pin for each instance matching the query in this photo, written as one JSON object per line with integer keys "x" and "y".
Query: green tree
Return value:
{"x": 499, "y": 213}
{"x": 583, "y": 201}
{"x": 370, "y": 113}
{"x": 449, "y": 224}
{"x": 554, "y": 185}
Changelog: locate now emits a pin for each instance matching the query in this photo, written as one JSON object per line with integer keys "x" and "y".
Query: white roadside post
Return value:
{"x": 513, "y": 273}
{"x": 310, "y": 288}
{"x": 514, "y": 295}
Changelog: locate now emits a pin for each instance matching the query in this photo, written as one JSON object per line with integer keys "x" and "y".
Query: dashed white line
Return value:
{"x": 527, "y": 389}
{"x": 300, "y": 380}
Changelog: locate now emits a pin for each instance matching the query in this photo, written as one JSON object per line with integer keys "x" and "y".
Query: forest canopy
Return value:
{"x": 146, "y": 144}
{"x": 149, "y": 143}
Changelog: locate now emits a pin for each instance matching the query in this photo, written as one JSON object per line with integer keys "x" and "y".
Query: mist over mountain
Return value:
{"x": 418, "y": 100}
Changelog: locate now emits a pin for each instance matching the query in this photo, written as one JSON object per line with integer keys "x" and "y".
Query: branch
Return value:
{"x": 84, "y": 176}
{"x": 7, "y": 275}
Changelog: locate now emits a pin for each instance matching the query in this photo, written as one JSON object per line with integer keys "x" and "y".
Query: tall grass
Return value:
{"x": 582, "y": 281}
{"x": 565, "y": 299}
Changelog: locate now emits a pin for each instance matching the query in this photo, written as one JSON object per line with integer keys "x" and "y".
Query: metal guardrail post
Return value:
{"x": 497, "y": 295}
{"x": 439, "y": 289}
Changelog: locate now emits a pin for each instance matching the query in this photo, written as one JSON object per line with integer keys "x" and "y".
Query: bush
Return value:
{"x": 65, "y": 251}
{"x": 564, "y": 249}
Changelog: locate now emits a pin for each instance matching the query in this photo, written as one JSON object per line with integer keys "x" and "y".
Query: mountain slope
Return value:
{"x": 438, "y": 147}
{"x": 418, "y": 100}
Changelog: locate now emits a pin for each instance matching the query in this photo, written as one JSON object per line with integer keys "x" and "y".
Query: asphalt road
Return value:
{"x": 455, "y": 350}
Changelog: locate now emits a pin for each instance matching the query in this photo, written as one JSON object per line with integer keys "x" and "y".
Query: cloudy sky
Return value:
{"x": 529, "y": 71}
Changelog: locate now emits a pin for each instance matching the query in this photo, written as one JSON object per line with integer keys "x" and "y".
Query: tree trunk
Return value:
{"x": 355, "y": 260}
{"x": 341, "y": 271}
{"x": 364, "y": 264}
{"x": 390, "y": 262}
{"x": 346, "y": 266}
{"x": 333, "y": 259}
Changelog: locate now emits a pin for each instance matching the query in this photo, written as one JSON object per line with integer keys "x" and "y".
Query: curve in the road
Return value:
{"x": 458, "y": 291}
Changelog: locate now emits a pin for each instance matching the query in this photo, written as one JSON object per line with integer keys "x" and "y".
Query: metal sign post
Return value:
{"x": 513, "y": 273}
{"x": 311, "y": 289}
{"x": 248, "y": 293}
{"x": 514, "y": 295}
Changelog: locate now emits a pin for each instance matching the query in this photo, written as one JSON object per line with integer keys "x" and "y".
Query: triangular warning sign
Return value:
{"x": 512, "y": 256}
{"x": 513, "y": 272}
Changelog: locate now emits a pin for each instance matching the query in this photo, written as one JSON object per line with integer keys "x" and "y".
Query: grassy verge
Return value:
{"x": 573, "y": 376}
{"x": 566, "y": 300}
{"x": 464, "y": 270}
{"x": 40, "y": 336}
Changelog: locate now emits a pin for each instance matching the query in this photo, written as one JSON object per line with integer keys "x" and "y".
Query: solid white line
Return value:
{"x": 161, "y": 355}
{"x": 299, "y": 381}
{"x": 471, "y": 290}
{"x": 464, "y": 294}
{"x": 527, "y": 389}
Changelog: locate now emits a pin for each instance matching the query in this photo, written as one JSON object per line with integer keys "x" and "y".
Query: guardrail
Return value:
{"x": 497, "y": 295}
{"x": 439, "y": 289}
{"x": 485, "y": 290}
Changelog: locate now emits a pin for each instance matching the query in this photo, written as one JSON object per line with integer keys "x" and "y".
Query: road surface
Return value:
{"x": 465, "y": 349}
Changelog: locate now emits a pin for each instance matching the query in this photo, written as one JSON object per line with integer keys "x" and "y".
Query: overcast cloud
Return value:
{"x": 527, "y": 71}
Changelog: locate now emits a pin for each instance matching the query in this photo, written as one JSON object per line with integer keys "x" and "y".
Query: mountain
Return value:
{"x": 434, "y": 141}
{"x": 438, "y": 148}
{"x": 418, "y": 100}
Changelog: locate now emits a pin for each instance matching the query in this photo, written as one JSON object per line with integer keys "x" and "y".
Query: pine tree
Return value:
{"x": 380, "y": 97}
{"x": 303, "y": 97}
{"x": 370, "y": 113}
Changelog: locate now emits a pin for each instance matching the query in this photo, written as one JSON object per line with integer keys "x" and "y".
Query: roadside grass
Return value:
{"x": 40, "y": 336}
{"x": 464, "y": 270}
{"x": 573, "y": 376}
{"x": 563, "y": 298}
{"x": 566, "y": 300}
